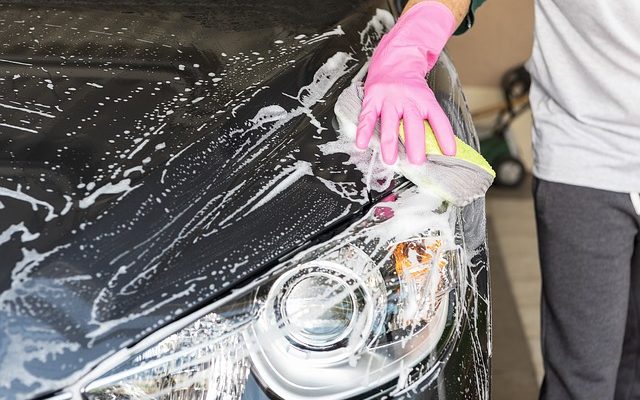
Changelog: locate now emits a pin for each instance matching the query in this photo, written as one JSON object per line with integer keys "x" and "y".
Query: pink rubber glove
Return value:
{"x": 396, "y": 87}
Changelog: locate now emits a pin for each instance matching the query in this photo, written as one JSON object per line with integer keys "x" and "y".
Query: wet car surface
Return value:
{"x": 156, "y": 159}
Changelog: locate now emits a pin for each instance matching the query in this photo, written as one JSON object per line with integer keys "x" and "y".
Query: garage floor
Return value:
{"x": 517, "y": 366}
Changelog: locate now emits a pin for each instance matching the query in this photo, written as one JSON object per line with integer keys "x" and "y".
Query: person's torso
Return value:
{"x": 585, "y": 95}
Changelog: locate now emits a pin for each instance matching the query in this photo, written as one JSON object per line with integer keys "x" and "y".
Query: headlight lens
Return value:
{"x": 373, "y": 306}
{"x": 319, "y": 310}
{"x": 317, "y": 306}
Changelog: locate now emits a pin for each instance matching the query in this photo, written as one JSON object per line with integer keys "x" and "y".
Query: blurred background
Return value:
{"x": 485, "y": 57}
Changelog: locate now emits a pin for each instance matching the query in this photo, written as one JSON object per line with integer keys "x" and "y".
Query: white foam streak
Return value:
{"x": 35, "y": 203}
{"x": 26, "y": 235}
{"x": 18, "y": 128}
{"x": 43, "y": 114}
{"x": 292, "y": 174}
{"x": 124, "y": 186}
{"x": 337, "y": 31}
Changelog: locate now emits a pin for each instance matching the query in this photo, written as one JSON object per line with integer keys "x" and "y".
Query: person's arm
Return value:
{"x": 459, "y": 8}
{"x": 463, "y": 10}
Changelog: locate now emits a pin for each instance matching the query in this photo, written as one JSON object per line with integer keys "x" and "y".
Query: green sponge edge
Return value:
{"x": 463, "y": 150}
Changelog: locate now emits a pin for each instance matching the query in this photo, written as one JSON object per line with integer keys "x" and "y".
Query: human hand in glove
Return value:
{"x": 396, "y": 86}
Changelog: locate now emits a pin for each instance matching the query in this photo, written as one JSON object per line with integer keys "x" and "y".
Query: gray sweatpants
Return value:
{"x": 590, "y": 262}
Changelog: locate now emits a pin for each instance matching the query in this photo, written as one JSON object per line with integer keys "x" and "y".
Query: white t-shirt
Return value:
{"x": 585, "y": 95}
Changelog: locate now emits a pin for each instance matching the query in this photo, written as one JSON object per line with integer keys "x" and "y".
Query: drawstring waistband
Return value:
{"x": 635, "y": 200}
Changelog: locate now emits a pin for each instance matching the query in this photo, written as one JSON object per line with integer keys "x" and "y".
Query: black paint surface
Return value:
{"x": 94, "y": 97}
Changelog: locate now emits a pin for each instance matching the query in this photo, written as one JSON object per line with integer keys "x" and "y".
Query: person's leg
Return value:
{"x": 586, "y": 240}
{"x": 628, "y": 382}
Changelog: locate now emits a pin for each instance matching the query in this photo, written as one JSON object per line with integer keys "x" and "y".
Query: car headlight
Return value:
{"x": 374, "y": 306}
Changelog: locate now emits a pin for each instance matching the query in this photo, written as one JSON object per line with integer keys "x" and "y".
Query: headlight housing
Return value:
{"x": 374, "y": 306}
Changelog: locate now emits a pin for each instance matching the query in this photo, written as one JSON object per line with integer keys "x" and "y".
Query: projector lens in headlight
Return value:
{"x": 319, "y": 309}
{"x": 372, "y": 307}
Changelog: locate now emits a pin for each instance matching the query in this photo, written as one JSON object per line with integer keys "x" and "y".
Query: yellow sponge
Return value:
{"x": 464, "y": 151}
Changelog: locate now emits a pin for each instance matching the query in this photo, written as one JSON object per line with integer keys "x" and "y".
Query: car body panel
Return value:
{"x": 155, "y": 157}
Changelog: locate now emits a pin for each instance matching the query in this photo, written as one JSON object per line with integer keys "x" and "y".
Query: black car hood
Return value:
{"x": 152, "y": 158}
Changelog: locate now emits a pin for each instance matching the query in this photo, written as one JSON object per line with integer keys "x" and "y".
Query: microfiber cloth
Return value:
{"x": 459, "y": 179}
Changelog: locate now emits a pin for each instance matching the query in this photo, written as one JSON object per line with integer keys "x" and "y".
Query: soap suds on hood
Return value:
{"x": 197, "y": 112}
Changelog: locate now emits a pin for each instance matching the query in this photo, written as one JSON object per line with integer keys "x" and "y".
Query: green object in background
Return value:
{"x": 494, "y": 148}
{"x": 509, "y": 169}
{"x": 498, "y": 148}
